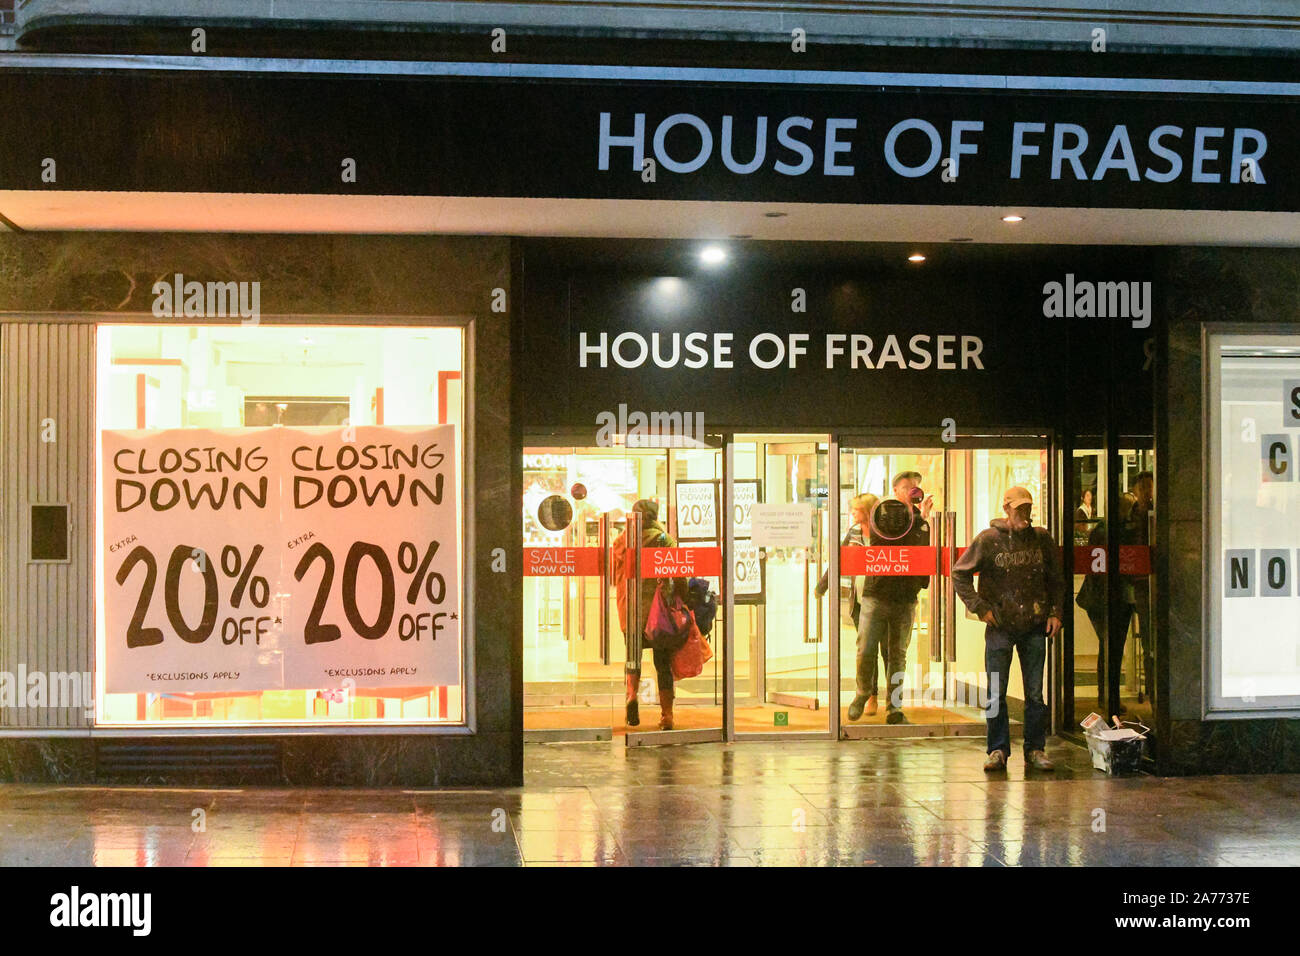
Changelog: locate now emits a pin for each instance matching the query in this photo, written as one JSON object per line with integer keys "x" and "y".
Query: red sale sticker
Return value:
{"x": 855, "y": 559}
{"x": 1089, "y": 559}
{"x": 684, "y": 562}
{"x": 951, "y": 555}
{"x": 1134, "y": 559}
{"x": 561, "y": 562}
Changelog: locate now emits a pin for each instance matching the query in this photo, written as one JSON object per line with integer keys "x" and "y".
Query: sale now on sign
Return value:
{"x": 855, "y": 559}
{"x": 1134, "y": 559}
{"x": 681, "y": 562}
{"x": 280, "y": 558}
{"x": 560, "y": 562}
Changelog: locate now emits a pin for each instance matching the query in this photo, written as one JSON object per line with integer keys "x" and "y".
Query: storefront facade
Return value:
{"x": 142, "y": 432}
{"x": 514, "y": 369}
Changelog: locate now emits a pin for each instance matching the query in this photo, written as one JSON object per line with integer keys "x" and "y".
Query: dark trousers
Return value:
{"x": 663, "y": 660}
{"x": 1146, "y": 636}
{"x": 1031, "y": 648}
{"x": 884, "y": 627}
{"x": 1108, "y": 685}
{"x": 870, "y": 655}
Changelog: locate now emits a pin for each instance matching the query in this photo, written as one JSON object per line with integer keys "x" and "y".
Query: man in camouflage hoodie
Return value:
{"x": 1020, "y": 597}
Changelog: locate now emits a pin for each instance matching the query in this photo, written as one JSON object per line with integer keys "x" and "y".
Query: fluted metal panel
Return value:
{"x": 47, "y": 391}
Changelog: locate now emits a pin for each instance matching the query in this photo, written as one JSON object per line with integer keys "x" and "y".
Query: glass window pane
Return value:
{"x": 250, "y": 381}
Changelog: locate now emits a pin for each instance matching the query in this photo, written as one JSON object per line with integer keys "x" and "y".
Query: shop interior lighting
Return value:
{"x": 1013, "y": 218}
{"x": 713, "y": 255}
{"x": 916, "y": 257}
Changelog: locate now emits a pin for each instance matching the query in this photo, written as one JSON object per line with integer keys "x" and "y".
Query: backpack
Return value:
{"x": 702, "y": 602}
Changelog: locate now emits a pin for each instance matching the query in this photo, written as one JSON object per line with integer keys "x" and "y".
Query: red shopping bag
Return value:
{"x": 669, "y": 622}
{"x": 690, "y": 659}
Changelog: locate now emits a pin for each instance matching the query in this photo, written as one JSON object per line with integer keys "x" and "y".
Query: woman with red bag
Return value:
{"x": 653, "y": 535}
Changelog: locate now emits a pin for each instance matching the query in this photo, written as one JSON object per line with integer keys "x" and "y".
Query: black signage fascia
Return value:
{"x": 430, "y": 136}
{"x": 1033, "y": 370}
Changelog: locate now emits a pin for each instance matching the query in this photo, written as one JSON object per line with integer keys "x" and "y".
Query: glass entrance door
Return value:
{"x": 892, "y": 668}
{"x": 578, "y": 503}
{"x": 1135, "y": 645}
{"x": 913, "y": 643}
{"x": 780, "y": 544}
{"x": 978, "y": 479}
{"x": 575, "y": 502}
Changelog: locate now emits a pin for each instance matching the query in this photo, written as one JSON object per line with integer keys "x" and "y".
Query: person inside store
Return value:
{"x": 1085, "y": 511}
{"x": 1020, "y": 596}
{"x": 889, "y": 601}
{"x": 868, "y": 686}
{"x": 1092, "y": 598}
{"x": 653, "y": 535}
{"x": 1135, "y": 530}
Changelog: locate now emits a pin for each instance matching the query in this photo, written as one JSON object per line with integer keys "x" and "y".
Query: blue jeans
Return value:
{"x": 884, "y": 628}
{"x": 1031, "y": 647}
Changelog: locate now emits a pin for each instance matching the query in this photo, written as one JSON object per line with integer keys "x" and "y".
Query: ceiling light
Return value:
{"x": 1013, "y": 218}
{"x": 713, "y": 255}
{"x": 916, "y": 257}
{"x": 775, "y": 215}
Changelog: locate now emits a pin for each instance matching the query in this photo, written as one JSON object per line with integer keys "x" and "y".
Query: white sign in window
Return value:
{"x": 1253, "y": 654}
{"x": 279, "y": 525}
{"x": 782, "y": 526}
{"x": 697, "y": 510}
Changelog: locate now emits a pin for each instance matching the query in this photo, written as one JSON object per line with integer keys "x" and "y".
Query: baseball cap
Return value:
{"x": 914, "y": 475}
{"x": 1016, "y": 496}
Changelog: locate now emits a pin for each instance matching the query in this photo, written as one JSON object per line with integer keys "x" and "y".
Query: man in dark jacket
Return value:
{"x": 889, "y": 601}
{"x": 1020, "y": 598}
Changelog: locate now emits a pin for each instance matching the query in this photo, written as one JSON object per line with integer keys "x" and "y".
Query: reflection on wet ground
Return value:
{"x": 874, "y": 802}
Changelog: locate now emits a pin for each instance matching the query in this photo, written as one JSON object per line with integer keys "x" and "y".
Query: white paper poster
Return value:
{"x": 697, "y": 513}
{"x": 782, "y": 526}
{"x": 744, "y": 492}
{"x": 1258, "y": 628}
{"x": 746, "y": 575}
{"x": 261, "y": 558}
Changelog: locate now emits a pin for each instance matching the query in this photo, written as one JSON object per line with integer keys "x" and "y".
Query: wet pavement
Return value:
{"x": 877, "y": 802}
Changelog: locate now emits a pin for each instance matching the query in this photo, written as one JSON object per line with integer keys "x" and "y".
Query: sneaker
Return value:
{"x": 997, "y": 761}
{"x": 1039, "y": 760}
{"x": 872, "y": 707}
{"x": 896, "y": 717}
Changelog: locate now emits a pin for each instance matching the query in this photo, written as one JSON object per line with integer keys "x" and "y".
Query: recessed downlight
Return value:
{"x": 916, "y": 257}
{"x": 1013, "y": 218}
{"x": 775, "y": 215}
{"x": 713, "y": 255}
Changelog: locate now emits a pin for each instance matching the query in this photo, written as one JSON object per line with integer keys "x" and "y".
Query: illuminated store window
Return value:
{"x": 1254, "y": 523}
{"x": 279, "y": 525}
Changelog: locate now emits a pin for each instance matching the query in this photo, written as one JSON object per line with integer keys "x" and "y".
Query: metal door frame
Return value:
{"x": 721, "y": 629}
{"x": 575, "y": 439}
{"x": 944, "y": 606}
{"x": 730, "y": 734}
{"x": 910, "y": 439}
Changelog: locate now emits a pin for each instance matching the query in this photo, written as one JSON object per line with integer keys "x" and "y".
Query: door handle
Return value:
{"x": 633, "y": 531}
{"x": 950, "y": 589}
{"x": 936, "y": 610}
{"x": 603, "y": 542}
